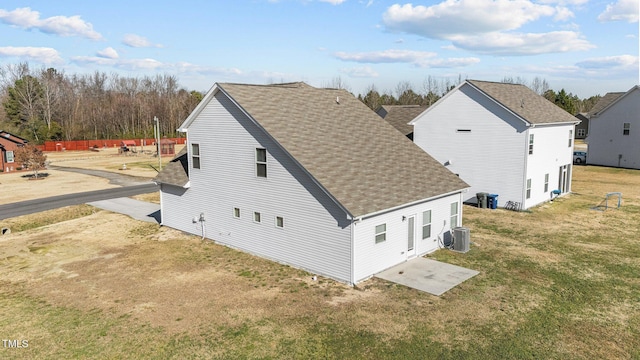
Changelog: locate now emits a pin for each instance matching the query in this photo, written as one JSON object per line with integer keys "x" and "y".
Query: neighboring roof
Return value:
{"x": 13, "y": 138}
{"x": 524, "y": 102}
{"x": 363, "y": 163}
{"x": 608, "y": 100}
{"x": 400, "y": 115}
{"x": 167, "y": 141}
{"x": 176, "y": 172}
{"x": 128, "y": 143}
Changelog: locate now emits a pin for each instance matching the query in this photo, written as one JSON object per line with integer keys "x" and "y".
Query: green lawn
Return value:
{"x": 561, "y": 281}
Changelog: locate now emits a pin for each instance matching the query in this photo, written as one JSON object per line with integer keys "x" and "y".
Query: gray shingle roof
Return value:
{"x": 604, "y": 102}
{"x": 176, "y": 172}
{"x": 399, "y": 115}
{"x": 364, "y": 163}
{"x": 524, "y": 102}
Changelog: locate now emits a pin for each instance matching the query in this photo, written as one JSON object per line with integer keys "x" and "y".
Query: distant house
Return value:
{"x": 307, "y": 177}
{"x": 502, "y": 139}
{"x": 399, "y": 116}
{"x": 614, "y": 134}
{"x": 8, "y": 144}
{"x": 582, "y": 129}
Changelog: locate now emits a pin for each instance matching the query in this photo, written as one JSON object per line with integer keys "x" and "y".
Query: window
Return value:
{"x": 454, "y": 215}
{"x": 530, "y": 144}
{"x": 570, "y": 137}
{"x": 279, "y": 221}
{"x": 426, "y": 224}
{"x": 581, "y": 132}
{"x": 626, "y": 127}
{"x": 546, "y": 183}
{"x": 261, "y": 163}
{"x": 257, "y": 217}
{"x": 528, "y": 188}
{"x": 236, "y": 213}
{"x": 9, "y": 156}
{"x": 463, "y": 130}
{"x": 381, "y": 233}
{"x": 195, "y": 156}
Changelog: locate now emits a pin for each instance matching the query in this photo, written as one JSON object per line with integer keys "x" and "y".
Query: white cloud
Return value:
{"x": 418, "y": 58}
{"x": 138, "y": 41}
{"x": 333, "y": 2}
{"x": 360, "y": 72}
{"x": 523, "y": 44}
{"x": 58, "y": 25}
{"x": 109, "y": 53}
{"x": 628, "y": 62}
{"x": 43, "y": 55}
{"x": 486, "y": 26}
{"x": 622, "y": 10}
{"x": 458, "y": 17}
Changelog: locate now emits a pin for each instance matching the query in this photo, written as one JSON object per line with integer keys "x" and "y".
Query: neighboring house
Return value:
{"x": 582, "y": 129}
{"x": 614, "y": 135}
{"x": 399, "y": 116}
{"x": 8, "y": 144}
{"x": 502, "y": 139}
{"x": 307, "y": 177}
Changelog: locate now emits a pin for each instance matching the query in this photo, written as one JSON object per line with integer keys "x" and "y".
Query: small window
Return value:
{"x": 279, "y": 221}
{"x": 257, "y": 217}
{"x": 426, "y": 224}
{"x": 236, "y": 213}
{"x": 530, "y": 144}
{"x": 261, "y": 163}
{"x": 195, "y": 156}
{"x": 463, "y": 130}
{"x": 381, "y": 233}
{"x": 570, "y": 137}
{"x": 581, "y": 133}
{"x": 454, "y": 215}
{"x": 528, "y": 188}
{"x": 546, "y": 183}
{"x": 626, "y": 128}
{"x": 9, "y": 156}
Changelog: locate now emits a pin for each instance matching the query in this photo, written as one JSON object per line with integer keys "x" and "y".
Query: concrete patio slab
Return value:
{"x": 431, "y": 276}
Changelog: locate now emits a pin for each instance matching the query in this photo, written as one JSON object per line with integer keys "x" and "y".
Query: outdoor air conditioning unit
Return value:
{"x": 461, "y": 239}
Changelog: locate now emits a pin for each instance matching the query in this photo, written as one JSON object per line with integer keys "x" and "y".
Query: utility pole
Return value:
{"x": 156, "y": 132}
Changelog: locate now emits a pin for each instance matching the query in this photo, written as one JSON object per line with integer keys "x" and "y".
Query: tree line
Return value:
{"x": 48, "y": 104}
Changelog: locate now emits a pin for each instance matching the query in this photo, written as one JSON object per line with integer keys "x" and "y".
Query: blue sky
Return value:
{"x": 587, "y": 47}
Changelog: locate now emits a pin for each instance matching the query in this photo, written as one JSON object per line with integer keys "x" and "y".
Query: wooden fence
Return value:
{"x": 72, "y": 145}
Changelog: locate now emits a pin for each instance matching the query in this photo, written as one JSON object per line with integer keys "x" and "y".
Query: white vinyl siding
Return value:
{"x": 316, "y": 233}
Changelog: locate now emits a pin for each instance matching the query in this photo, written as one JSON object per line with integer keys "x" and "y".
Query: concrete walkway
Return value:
{"x": 431, "y": 276}
{"x": 139, "y": 210}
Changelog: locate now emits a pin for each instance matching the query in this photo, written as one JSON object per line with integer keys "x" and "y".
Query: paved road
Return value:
{"x": 54, "y": 202}
{"x": 114, "y": 178}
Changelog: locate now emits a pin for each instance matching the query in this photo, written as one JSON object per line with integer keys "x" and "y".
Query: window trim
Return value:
{"x": 531, "y": 144}
{"x": 257, "y": 219}
{"x": 570, "y": 137}
{"x": 426, "y": 224}
{"x": 195, "y": 157}
{"x": 6, "y": 155}
{"x": 455, "y": 215}
{"x": 528, "y": 193}
{"x": 546, "y": 182}
{"x": 236, "y": 213}
{"x": 281, "y": 224}
{"x": 382, "y": 234}
{"x": 626, "y": 128}
{"x": 261, "y": 163}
